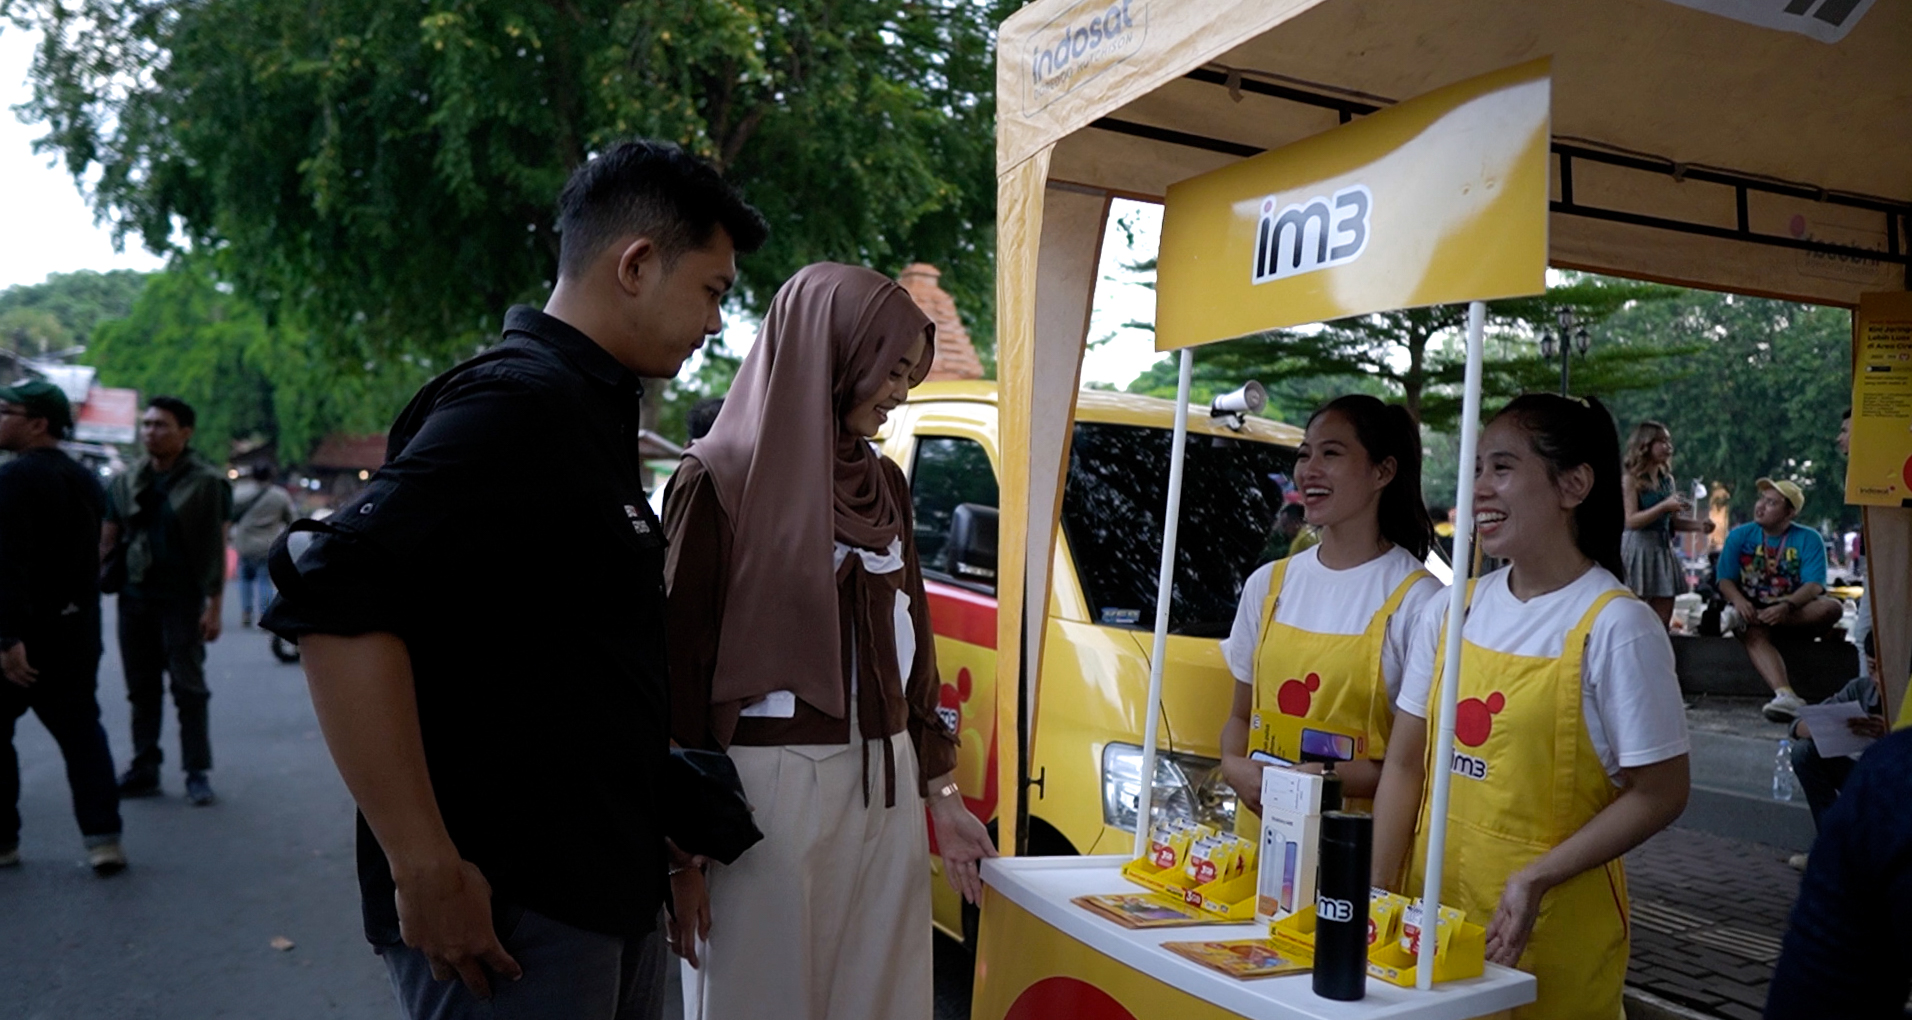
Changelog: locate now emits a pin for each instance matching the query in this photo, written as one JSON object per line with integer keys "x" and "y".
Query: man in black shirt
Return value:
{"x": 50, "y": 511}
{"x": 482, "y": 627}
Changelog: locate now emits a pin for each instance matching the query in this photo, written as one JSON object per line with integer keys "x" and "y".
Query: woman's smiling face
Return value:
{"x": 1338, "y": 480}
{"x": 867, "y": 418}
{"x": 1518, "y": 507}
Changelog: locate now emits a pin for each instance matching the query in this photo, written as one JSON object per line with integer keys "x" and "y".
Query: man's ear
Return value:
{"x": 1575, "y": 485}
{"x": 638, "y": 265}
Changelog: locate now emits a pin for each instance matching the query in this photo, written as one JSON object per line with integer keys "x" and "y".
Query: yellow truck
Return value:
{"x": 1085, "y": 747}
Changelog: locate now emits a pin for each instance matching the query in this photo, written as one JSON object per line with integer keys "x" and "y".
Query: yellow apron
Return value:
{"x": 1333, "y": 679}
{"x": 1526, "y": 777}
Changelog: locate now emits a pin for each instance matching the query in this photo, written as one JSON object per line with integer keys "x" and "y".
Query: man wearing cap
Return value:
{"x": 1773, "y": 573}
{"x": 50, "y": 510}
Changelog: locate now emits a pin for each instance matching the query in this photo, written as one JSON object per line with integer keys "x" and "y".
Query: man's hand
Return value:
{"x": 13, "y": 662}
{"x": 1775, "y": 614}
{"x": 444, "y": 911}
{"x": 690, "y": 912}
{"x": 963, "y": 841}
{"x": 211, "y": 619}
{"x": 1872, "y": 726}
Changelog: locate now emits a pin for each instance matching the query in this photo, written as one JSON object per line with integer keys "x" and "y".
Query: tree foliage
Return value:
{"x": 384, "y": 172}
{"x": 46, "y": 318}
{"x": 1417, "y": 355}
{"x": 1760, "y": 395}
{"x": 189, "y": 335}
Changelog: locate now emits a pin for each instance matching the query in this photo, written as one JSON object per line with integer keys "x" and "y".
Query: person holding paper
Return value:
{"x": 1570, "y": 742}
{"x": 1821, "y": 776}
{"x": 1320, "y": 637}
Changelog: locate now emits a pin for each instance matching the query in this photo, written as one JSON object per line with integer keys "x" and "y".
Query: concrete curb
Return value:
{"x": 1643, "y": 1005}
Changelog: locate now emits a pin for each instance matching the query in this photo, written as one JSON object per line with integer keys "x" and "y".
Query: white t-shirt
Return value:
{"x": 1629, "y": 693}
{"x": 1323, "y": 601}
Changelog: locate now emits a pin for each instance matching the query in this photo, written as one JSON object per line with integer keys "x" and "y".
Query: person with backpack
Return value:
{"x": 261, "y": 511}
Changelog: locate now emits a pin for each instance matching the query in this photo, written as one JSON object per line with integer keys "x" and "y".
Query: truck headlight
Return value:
{"x": 1187, "y": 787}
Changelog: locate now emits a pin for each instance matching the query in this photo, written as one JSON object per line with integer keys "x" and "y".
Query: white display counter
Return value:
{"x": 1032, "y": 960}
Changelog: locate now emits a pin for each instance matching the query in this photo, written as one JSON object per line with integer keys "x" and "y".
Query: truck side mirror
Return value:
{"x": 972, "y": 543}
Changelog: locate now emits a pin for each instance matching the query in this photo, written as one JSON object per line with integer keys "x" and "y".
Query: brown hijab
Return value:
{"x": 832, "y": 336}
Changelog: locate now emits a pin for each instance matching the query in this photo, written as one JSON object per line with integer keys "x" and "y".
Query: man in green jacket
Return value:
{"x": 172, "y": 509}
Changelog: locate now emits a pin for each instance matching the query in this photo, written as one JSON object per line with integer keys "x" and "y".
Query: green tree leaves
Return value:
{"x": 1761, "y": 394}
{"x": 59, "y": 314}
{"x": 190, "y": 336}
{"x": 384, "y": 172}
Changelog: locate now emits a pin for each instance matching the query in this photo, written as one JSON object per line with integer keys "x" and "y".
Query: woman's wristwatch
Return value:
{"x": 944, "y": 791}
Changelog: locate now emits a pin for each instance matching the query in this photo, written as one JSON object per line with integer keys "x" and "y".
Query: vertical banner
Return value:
{"x": 1879, "y": 470}
{"x": 1439, "y": 199}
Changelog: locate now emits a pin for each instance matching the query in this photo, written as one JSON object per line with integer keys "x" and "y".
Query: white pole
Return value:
{"x": 1164, "y": 589}
{"x": 1451, "y": 654}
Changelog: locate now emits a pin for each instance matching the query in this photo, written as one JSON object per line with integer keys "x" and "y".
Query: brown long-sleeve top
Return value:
{"x": 696, "y": 573}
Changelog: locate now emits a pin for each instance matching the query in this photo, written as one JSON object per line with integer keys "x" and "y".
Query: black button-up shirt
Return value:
{"x": 507, "y": 541}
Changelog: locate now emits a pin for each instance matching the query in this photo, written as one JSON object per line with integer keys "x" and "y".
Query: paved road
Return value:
{"x": 186, "y": 932}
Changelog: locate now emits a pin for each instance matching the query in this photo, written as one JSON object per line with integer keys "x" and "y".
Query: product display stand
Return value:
{"x": 1040, "y": 955}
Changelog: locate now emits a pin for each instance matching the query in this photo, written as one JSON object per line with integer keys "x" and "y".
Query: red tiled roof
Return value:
{"x": 955, "y": 355}
{"x": 349, "y": 453}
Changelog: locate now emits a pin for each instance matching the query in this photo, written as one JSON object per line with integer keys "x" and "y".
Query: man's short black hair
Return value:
{"x": 655, "y": 190}
{"x": 181, "y": 411}
{"x": 701, "y": 416}
{"x": 1293, "y": 510}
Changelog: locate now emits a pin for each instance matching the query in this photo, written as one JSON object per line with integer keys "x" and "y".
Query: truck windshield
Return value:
{"x": 1112, "y": 513}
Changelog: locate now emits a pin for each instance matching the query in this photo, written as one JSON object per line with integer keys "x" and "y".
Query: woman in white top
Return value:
{"x": 1319, "y": 637}
{"x": 1570, "y": 744}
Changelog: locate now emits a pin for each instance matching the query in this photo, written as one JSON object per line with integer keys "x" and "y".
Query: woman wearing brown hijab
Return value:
{"x": 801, "y": 643}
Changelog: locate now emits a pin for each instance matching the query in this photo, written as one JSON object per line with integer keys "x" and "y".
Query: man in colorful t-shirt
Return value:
{"x": 1773, "y": 573}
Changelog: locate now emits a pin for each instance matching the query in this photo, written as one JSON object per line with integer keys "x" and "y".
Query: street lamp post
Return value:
{"x": 1572, "y": 336}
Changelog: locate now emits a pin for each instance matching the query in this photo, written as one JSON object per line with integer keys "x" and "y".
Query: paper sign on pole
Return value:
{"x": 1879, "y": 470}
{"x": 1439, "y": 199}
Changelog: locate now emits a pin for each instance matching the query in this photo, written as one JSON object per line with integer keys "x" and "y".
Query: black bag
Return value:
{"x": 708, "y": 815}
{"x": 113, "y": 567}
{"x": 150, "y": 508}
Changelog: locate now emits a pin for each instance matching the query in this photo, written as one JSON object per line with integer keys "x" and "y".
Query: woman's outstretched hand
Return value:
{"x": 1513, "y": 921}
{"x": 964, "y": 842}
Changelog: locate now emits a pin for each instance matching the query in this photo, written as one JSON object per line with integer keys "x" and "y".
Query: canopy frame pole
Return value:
{"x": 1451, "y": 653}
{"x": 1164, "y": 590}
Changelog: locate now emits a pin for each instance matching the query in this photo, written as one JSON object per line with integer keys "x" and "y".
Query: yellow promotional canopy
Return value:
{"x": 1756, "y": 146}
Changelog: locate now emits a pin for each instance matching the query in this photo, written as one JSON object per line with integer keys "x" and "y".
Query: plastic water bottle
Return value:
{"x": 1783, "y": 772}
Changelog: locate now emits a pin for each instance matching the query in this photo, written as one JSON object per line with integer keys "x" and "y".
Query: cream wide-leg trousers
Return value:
{"x": 829, "y": 917}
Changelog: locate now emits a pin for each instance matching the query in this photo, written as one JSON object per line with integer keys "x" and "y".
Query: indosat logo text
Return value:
{"x": 1080, "y": 43}
{"x": 1316, "y": 233}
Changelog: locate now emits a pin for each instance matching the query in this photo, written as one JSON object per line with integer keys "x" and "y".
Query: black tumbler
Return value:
{"x": 1330, "y": 789}
{"x": 1341, "y": 906}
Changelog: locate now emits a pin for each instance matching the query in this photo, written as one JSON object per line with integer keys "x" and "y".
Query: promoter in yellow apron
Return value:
{"x": 1329, "y": 646}
{"x": 1557, "y": 695}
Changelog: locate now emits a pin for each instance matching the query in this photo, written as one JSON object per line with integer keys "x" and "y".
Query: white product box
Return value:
{"x": 1290, "y": 842}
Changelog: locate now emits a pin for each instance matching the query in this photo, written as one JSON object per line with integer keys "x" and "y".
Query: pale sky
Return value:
{"x": 48, "y": 225}
{"x": 49, "y": 228}
{"x": 1116, "y": 355}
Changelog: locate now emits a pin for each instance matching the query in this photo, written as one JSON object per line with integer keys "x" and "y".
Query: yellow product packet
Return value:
{"x": 1447, "y": 919}
{"x": 1202, "y": 860}
{"x": 1384, "y": 916}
